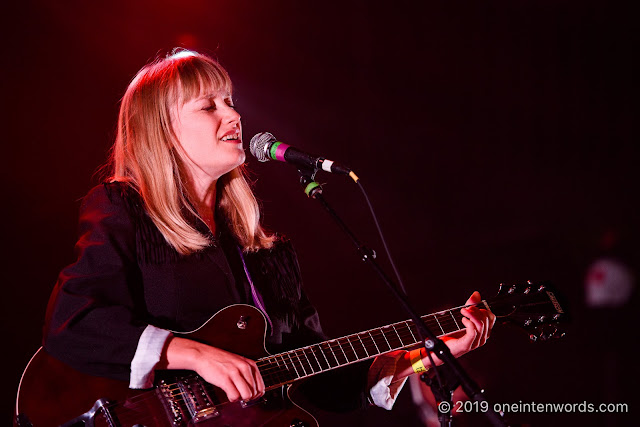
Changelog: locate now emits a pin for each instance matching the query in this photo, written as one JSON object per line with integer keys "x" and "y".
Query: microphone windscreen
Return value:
{"x": 260, "y": 144}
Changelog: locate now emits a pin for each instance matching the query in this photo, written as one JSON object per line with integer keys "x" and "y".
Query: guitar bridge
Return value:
{"x": 248, "y": 403}
{"x": 197, "y": 399}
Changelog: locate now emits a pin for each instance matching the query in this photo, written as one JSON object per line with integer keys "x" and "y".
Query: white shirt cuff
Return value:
{"x": 382, "y": 391}
{"x": 147, "y": 356}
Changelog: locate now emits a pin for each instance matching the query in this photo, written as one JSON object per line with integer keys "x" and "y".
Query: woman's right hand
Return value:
{"x": 237, "y": 376}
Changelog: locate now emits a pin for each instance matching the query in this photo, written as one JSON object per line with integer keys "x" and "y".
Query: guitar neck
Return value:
{"x": 287, "y": 367}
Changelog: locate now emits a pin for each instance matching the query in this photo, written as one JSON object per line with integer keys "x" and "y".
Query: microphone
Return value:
{"x": 264, "y": 147}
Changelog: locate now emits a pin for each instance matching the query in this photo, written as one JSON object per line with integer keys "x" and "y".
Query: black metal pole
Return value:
{"x": 431, "y": 341}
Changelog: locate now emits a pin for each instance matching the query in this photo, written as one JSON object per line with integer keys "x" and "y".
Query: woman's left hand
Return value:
{"x": 478, "y": 323}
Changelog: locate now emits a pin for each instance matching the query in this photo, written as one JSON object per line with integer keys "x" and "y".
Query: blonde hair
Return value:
{"x": 147, "y": 155}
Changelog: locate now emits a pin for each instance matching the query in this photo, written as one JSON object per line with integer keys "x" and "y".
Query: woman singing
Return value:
{"x": 173, "y": 236}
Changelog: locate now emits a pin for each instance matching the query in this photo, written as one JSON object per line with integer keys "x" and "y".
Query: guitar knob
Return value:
{"x": 242, "y": 322}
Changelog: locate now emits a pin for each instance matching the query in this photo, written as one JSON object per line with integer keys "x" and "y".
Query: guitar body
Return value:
{"x": 53, "y": 394}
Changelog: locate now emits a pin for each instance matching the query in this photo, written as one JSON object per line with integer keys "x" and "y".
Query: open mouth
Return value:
{"x": 233, "y": 137}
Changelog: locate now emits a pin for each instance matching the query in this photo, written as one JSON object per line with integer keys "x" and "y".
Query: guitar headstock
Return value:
{"x": 533, "y": 307}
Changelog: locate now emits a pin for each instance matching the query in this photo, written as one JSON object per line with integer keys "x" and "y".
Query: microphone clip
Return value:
{"x": 307, "y": 179}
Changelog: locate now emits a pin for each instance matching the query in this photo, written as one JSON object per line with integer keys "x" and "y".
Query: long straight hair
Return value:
{"x": 147, "y": 155}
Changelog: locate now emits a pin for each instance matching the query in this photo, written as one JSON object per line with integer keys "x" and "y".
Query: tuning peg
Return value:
{"x": 512, "y": 289}
{"x": 526, "y": 291}
{"x": 556, "y": 316}
{"x": 529, "y": 282}
{"x": 541, "y": 288}
{"x": 533, "y": 338}
{"x": 527, "y": 322}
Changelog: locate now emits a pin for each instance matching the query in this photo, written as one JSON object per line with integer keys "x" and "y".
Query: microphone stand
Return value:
{"x": 452, "y": 372}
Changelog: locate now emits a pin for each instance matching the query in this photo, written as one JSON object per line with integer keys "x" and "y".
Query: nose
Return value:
{"x": 232, "y": 115}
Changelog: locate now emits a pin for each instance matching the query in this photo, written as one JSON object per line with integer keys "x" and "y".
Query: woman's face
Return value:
{"x": 208, "y": 128}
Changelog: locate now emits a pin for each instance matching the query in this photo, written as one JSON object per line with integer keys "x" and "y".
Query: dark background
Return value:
{"x": 495, "y": 140}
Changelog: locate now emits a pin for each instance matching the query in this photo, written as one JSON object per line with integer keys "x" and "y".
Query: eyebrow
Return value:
{"x": 212, "y": 95}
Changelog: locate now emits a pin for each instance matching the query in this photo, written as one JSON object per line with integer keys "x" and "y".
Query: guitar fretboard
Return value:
{"x": 284, "y": 368}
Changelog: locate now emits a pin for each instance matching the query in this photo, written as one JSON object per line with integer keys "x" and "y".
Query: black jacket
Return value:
{"x": 126, "y": 277}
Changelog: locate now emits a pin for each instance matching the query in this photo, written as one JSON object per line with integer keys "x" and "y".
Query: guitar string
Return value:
{"x": 449, "y": 325}
{"x": 405, "y": 333}
{"x": 282, "y": 371}
{"x": 379, "y": 331}
{"x": 174, "y": 391}
{"x": 282, "y": 374}
{"x": 272, "y": 369}
{"x": 277, "y": 370}
{"x": 270, "y": 366}
{"x": 407, "y": 326}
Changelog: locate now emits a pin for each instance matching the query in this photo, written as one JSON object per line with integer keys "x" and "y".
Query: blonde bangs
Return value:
{"x": 201, "y": 77}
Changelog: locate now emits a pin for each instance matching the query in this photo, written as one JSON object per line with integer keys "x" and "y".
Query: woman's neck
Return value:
{"x": 203, "y": 197}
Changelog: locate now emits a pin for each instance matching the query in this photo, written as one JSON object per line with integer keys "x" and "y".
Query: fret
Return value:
{"x": 368, "y": 343}
{"x": 269, "y": 372}
{"x": 439, "y": 325}
{"x": 333, "y": 353}
{"x": 392, "y": 338}
{"x": 293, "y": 364}
{"x": 396, "y": 331}
{"x": 338, "y": 352}
{"x": 385, "y": 339}
{"x": 324, "y": 354}
{"x": 289, "y": 374}
{"x": 359, "y": 353}
{"x": 343, "y": 352}
{"x": 307, "y": 361}
{"x": 355, "y": 355}
{"x": 383, "y": 343}
{"x": 374, "y": 343}
{"x": 302, "y": 363}
{"x": 444, "y": 323}
{"x": 454, "y": 320}
{"x": 405, "y": 331}
{"x": 313, "y": 361}
{"x": 363, "y": 346}
{"x": 413, "y": 337}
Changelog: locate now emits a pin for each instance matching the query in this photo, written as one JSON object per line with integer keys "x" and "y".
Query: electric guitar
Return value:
{"x": 54, "y": 394}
